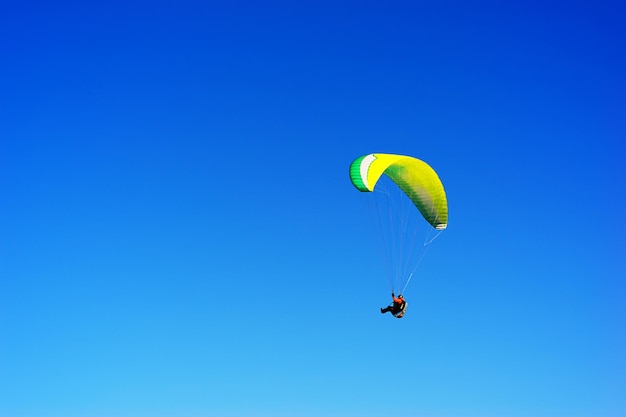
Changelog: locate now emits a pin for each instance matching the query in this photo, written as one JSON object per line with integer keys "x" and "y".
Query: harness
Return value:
{"x": 401, "y": 310}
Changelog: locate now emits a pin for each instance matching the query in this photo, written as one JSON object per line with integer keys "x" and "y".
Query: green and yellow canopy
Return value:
{"x": 414, "y": 177}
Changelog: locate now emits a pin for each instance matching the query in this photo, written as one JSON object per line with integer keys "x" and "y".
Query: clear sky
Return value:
{"x": 179, "y": 235}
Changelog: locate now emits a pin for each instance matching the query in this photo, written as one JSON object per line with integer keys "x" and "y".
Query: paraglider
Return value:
{"x": 409, "y": 205}
{"x": 397, "y": 307}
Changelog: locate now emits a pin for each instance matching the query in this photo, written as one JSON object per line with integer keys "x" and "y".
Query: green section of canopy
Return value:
{"x": 414, "y": 177}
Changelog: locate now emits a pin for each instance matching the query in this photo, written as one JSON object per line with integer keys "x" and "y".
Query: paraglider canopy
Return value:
{"x": 415, "y": 178}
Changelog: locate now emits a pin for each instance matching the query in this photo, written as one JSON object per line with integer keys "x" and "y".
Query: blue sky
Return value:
{"x": 179, "y": 235}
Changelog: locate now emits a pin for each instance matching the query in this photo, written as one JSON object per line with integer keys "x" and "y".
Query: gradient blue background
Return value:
{"x": 179, "y": 236}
